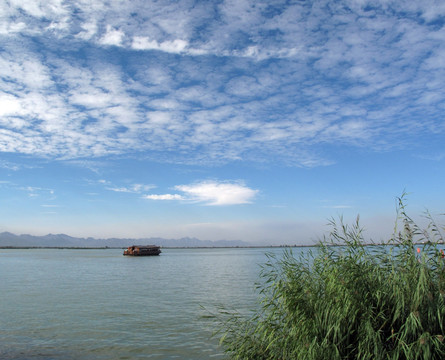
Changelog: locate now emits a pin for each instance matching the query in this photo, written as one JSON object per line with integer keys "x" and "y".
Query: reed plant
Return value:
{"x": 347, "y": 299}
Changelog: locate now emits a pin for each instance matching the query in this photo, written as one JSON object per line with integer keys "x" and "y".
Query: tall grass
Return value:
{"x": 349, "y": 300}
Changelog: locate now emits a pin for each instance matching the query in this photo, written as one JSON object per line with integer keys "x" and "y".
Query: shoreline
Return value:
{"x": 181, "y": 247}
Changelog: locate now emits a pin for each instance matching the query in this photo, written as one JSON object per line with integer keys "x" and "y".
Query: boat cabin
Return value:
{"x": 142, "y": 250}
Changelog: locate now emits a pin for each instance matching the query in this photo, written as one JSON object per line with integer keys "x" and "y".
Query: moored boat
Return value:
{"x": 142, "y": 250}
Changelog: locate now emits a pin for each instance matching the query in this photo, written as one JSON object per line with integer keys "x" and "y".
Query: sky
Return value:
{"x": 241, "y": 120}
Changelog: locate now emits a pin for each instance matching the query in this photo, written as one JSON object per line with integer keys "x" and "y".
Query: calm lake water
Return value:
{"x": 98, "y": 304}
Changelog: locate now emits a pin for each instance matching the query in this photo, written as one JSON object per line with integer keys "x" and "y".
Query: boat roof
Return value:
{"x": 145, "y": 246}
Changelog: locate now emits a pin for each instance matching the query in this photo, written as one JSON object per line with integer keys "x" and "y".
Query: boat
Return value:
{"x": 142, "y": 250}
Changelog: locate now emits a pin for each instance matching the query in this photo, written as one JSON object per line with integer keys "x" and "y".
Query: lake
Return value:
{"x": 99, "y": 304}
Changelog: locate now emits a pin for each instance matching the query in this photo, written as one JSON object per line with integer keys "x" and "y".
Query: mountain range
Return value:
{"x": 8, "y": 239}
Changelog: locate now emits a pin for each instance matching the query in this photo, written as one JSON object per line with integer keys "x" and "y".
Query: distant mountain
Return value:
{"x": 62, "y": 240}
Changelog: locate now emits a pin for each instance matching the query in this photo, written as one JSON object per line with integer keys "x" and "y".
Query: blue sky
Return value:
{"x": 249, "y": 120}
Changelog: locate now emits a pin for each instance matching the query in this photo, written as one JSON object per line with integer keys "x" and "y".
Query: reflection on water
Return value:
{"x": 98, "y": 304}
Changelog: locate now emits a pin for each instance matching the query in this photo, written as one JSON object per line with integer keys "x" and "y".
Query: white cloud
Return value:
{"x": 89, "y": 29}
{"x": 218, "y": 193}
{"x": 112, "y": 37}
{"x": 11, "y": 28}
{"x": 9, "y": 105}
{"x": 211, "y": 193}
{"x": 145, "y": 43}
{"x": 34, "y": 8}
{"x": 163, "y": 197}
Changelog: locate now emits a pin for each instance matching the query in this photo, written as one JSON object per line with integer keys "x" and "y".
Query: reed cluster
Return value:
{"x": 348, "y": 299}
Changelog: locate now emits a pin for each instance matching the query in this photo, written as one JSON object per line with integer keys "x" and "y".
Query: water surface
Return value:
{"x": 98, "y": 304}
